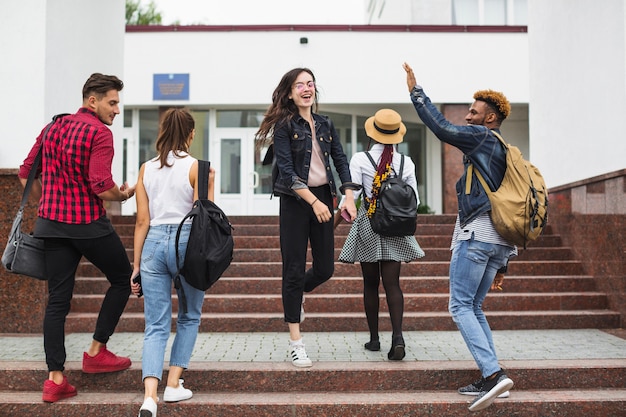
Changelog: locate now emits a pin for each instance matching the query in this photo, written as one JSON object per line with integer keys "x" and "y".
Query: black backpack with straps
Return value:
{"x": 210, "y": 247}
{"x": 396, "y": 205}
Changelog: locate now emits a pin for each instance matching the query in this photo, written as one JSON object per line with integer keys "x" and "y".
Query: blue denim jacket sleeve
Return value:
{"x": 287, "y": 175}
{"x": 476, "y": 142}
{"x": 479, "y": 146}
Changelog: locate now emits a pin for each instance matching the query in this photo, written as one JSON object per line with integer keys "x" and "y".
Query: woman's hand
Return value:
{"x": 410, "y": 77}
{"x": 497, "y": 282}
{"x": 321, "y": 211}
{"x": 135, "y": 287}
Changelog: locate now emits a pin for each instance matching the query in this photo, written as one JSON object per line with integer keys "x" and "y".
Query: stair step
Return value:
{"x": 341, "y": 322}
{"x": 353, "y": 303}
{"x": 578, "y": 403}
{"x": 341, "y": 377}
{"x": 425, "y": 241}
{"x": 417, "y": 268}
{"x": 354, "y": 285}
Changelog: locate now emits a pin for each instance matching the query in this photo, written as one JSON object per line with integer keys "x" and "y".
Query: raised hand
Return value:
{"x": 410, "y": 77}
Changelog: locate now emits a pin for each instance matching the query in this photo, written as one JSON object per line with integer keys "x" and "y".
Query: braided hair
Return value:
{"x": 383, "y": 170}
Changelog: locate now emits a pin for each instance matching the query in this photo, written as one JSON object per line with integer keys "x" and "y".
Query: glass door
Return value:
{"x": 243, "y": 182}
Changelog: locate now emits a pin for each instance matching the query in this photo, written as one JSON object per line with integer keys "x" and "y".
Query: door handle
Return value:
{"x": 255, "y": 179}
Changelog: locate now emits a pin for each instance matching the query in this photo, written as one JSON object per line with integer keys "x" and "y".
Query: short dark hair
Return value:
{"x": 99, "y": 84}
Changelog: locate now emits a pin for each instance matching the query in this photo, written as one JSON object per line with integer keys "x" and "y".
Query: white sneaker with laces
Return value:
{"x": 148, "y": 408}
{"x": 181, "y": 393}
{"x": 299, "y": 357}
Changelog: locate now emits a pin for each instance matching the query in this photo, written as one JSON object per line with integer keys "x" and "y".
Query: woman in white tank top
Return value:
{"x": 166, "y": 190}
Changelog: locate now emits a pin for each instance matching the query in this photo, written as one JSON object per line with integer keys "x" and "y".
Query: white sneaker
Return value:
{"x": 181, "y": 393}
{"x": 299, "y": 357}
{"x": 148, "y": 408}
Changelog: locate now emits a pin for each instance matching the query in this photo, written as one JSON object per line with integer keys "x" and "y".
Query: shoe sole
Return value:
{"x": 50, "y": 399}
{"x": 489, "y": 398}
{"x": 398, "y": 353}
{"x": 175, "y": 400}
{"x": 302, "y": 365}
{"x": 505, "y": 394}
{"x": 103, "y": 370}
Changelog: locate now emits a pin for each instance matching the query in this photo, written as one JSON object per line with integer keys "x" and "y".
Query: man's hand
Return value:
{"x": 497, "y": 282}
{"x": 410, "y": 77}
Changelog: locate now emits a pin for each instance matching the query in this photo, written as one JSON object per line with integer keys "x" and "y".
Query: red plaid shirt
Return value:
{"x": 76, "y": 167}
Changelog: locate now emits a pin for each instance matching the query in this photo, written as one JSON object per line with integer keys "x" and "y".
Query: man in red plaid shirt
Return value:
{"x": 75, "y": 180}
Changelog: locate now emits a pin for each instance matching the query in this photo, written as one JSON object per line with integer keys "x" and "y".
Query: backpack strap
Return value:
{"x": 37, "y": 161}
{"x": 203, "y": 179}
{"x": 376, "y": 166}
{"x": 203, "y": 194}
{"x": 470, "y": 170}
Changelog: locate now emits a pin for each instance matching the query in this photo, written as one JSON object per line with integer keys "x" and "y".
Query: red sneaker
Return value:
{"x": 104, "y": 361}
{"x": 53, "y": 392}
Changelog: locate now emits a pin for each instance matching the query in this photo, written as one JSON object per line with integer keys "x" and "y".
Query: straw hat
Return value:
{"x": 385, "y": 127}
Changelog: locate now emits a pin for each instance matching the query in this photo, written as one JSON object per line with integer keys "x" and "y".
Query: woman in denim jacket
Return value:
{"x": 303, "y": 179}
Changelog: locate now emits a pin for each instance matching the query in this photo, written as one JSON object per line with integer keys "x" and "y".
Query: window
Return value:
{"x": 490, "y": 12}
{"x": 149, "y": 129}
{"x": 239, "y": 118}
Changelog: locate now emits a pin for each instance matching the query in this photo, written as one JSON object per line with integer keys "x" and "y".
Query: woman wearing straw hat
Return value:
{"x": 381, "y": 256}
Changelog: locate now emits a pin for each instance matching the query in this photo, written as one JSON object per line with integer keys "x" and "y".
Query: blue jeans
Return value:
{"x": 158, "y": 269}
{"x": 472, "y": 269}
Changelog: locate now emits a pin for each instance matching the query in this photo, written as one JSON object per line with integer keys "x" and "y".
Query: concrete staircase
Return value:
{"x": 546, "y": 288}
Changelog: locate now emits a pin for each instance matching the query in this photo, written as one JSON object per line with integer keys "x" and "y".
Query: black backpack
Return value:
{"x": 396, "y": 206}
{"x": 210, "y": 246}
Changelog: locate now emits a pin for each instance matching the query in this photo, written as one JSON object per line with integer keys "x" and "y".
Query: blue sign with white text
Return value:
{"x": 170, "y": 87}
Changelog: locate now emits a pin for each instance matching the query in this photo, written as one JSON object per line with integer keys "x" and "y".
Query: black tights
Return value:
{"x": 390, "y": 272}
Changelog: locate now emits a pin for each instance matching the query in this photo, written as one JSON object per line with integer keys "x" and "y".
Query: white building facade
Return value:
{"x": 226, "y": 76}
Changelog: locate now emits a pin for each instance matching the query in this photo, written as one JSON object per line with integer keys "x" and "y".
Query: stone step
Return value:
{"x": 335, "y": 376}
{"x": 433, "y": 254}
{"x": 342, "y": 322}
{"x": 353, "y": 303}
{"x": 354, "y": 285}
{"x": 579, "y": 403}
{"x": 417, "y": 268}
{"x": 428, "y": 241}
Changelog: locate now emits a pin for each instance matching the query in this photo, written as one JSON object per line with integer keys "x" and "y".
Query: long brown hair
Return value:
{"x": 282, "y": 108}
{"x": 176, "y": 127}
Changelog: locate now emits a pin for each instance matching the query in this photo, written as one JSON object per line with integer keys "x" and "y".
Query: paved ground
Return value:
{"x": 344, "y": 346}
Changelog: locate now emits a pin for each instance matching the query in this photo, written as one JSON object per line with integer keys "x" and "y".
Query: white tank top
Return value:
{"x": 170, "y": 195}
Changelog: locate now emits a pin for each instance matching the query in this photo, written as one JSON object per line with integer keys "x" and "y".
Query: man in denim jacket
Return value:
{"x": 479, "y": 253}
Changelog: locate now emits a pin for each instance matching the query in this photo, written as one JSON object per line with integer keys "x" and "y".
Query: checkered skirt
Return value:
{"x": 364, "y": 245}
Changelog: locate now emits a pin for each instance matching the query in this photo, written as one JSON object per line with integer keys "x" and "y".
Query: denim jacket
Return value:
{"x": 293, "y": 148}
{"x": 479, "y": 146}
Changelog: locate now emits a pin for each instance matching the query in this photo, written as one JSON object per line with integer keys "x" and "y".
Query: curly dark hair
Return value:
{"x": 497, "y": 101}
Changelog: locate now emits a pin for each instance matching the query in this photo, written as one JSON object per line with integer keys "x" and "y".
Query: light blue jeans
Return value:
{"x": 158, "y": 269}
{"x": 472, "y": 269}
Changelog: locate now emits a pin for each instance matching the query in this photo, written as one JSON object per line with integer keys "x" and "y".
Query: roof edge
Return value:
{"x": 326, "y": 28}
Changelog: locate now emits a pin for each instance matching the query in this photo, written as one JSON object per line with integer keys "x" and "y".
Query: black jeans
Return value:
{"x": 63, "y": 256}
{"x": 298, "y": 227}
